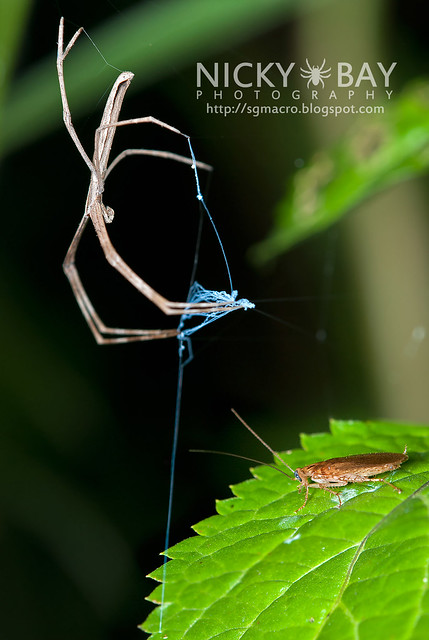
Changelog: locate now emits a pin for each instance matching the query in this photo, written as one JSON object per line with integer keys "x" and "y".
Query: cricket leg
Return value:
{"x": 385, "y": 482}
{"x": 325, "y": 487}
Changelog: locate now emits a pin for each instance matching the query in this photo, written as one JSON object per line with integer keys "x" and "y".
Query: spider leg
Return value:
{"x": 158, "y": 154}
{"x": 166, "y": 306}
{"x": 61, "y": 56}
{"x": 117, "y": 262}
{"x": 97, "y": 326}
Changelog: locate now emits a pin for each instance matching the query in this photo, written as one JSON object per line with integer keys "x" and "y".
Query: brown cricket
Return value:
{"x": 338, "y": 472}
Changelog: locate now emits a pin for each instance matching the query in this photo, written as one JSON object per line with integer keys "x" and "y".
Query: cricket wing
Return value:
{"x": 363, "y": 465}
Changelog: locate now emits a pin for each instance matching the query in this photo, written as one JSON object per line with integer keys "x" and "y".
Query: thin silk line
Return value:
{"x": 172, "y": 477}
{"x": 180, "y": 388}
{"x": 201, "y": 199}
{"x": 99, "y": 52}
{"x": 197, "y": 251}
{"x": 196, "y": 293}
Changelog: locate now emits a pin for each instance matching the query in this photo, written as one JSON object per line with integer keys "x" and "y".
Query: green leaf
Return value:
{"x": 258, "y": 570}
{"x": 375, "y": 153}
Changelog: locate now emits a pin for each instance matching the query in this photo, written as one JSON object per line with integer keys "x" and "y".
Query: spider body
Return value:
{"x": 100, "y": 214}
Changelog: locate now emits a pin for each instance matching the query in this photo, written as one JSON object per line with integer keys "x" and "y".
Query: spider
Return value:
{"x": 100, "y": 214}
{"x": 315, "y": 74}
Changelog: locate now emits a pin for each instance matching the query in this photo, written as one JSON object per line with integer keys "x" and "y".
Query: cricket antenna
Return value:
{"x": 267, "y": 446}
{"x": 235, "y": 455}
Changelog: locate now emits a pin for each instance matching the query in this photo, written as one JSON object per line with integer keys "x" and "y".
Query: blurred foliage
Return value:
{"x": 13, "y": 17}
{"x": 128, "y": 40}
{"x": 260, "y": 569}
{"x": 375, "y": 153}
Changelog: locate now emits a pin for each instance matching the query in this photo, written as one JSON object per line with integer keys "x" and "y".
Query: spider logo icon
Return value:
{"x": 315, "y": 74}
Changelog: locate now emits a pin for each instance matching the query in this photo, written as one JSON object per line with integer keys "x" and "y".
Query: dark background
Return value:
{"x": 86, "y": 431}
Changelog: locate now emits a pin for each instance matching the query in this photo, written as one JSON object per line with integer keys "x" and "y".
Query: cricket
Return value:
{"x": 336, "y": 472}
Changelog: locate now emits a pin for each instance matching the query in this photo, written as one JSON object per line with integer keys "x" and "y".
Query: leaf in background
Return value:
{"x": 258, "y": 570}
{"x": 151, "y": 39}
{"x": 377, "y": 152}
{"x": 13, "y": 17}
